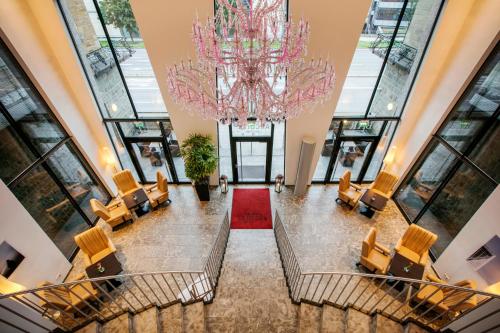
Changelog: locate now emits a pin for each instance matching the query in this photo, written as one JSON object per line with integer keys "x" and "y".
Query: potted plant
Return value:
{"x": 200, "y": 160}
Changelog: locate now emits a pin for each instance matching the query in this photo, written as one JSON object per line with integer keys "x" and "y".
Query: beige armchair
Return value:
{"x": 94, "y": 244}
{"x": 374, "y": 256}
{"x": 384, "y": 183}
{"x": 114, "y": 214}
{"x": 349, "y": 193}
{"x": 125, "y": 182}
{"x": 447, "y": 298}
{"x": 158, "y": 193}
{"x": 67, "y": 298}
{"x": 415, "y": 244}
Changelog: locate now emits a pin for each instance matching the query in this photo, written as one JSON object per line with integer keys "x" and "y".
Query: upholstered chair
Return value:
{"x": 114, "y": 214}
{"x": 374, "y": 256}
{"x": 415, "y": 244}
{"x": 94, "y": 244}
{"x": 349, "y": 193}
{"x": 158, "y": 192}
{"x": 125, "y": 182}
{"x": 67, "y": 299}
{"x": 384, "y": 184}
{"x": 447, "y": 298}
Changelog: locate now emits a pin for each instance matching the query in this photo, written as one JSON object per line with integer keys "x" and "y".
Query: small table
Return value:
{"x": 107, "y": 266}
{"x": 373, "y": 201}
{"x": 405, "y": 268}
{"x": 138, "y": 201}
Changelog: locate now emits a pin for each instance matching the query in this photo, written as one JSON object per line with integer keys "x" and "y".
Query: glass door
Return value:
{"x": 352, "y": 156}
{"x": 251, "y": 161}
{"x": 150, "y": 156}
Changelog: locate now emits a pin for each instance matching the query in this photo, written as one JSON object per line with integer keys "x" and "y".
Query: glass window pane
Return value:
{"x": 133, "y": 57}
{"x": 50, "y": 208}
{"x": 90, "y": 42}
{"x": 485, "y": 153}
{"x": 175, "y": 151}
{"x": 120, "y": 148}
{"x": 251, "y": 157}
{"x": 380, "y": 151}
{"x": 326, "y": 152}
{"x": 12, "y": 149}
{"x": 476, "y": 107}
{"x": 141, "y": 129}
{"x": 454, "y": 206}
{"x": 426, "y": 178}
{"x": 82, "y": 185}
{"x": 278, "y": 162}
{"x": 151, "y": 157}
{"x": 352, "y": 156}
{"x": 361, "y": 128}
{"x": 404, "y": 57}
{"x": 252, "y": 129}
{"x": 25, "y": 105}
{"x": 225, "y": 163}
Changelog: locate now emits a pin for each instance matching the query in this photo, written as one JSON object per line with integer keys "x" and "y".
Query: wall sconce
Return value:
{"x": 278, "y": 183}
{"x": 223, "y": 184}
{"x": 390, "y": 156}
{"x": 109, "y": 158}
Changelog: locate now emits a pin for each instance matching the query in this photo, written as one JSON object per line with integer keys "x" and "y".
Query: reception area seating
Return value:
{"x": 114, "y": 214}
{"x": 374, "y": 256}
{"x": 415, "y": 244}
{"x": 125, "y": 182}
{"x": 384, "y": 184}
{"x": 447, "y": 299}
{"x": 158, "y": 192}
{"x": 68, "y": 299}
{"x": 349, "y": 193}
{"x": 94, "y": 244}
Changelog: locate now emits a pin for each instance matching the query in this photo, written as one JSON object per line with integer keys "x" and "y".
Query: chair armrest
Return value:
{"x": 355, "y": 186}
{"x": 149, "y": 188}
{"x": 111, "y": 246}
{"x": 433, "y": 278}
{"x": 114, "y": 204}
{"x": 424, "y": 258}
{"x": 399, "y": 244}
{"x": 382, "y": 248}
{"x": 86, "y": 260}
{"x": 465, "y": 284}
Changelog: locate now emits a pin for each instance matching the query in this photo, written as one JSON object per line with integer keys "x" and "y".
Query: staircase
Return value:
{"x": 193, "y": 318}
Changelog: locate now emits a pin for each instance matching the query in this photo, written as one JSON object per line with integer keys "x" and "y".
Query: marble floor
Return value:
{"x": 325, "y": 236}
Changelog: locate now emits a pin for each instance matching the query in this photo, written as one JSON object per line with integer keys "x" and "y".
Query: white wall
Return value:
{"x": 165, "y": 27}
{"x": 482, "y": 226}
{"x": 38, "y": 36}
{"x": 335, "y": 30}
{"x": 465, "y": 32}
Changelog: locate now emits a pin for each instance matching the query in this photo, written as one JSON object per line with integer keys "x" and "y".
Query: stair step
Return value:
{"x": 412, "y": 328}
{"x": 332, "y": 319}
{"x": 171, "y": 319}
{"x": 309, "y": 318}
{"x": 93, "y": 327}
{"x": 194, "y": 318}
{"x": 147, "y": 321}
{"x": 121, "y": 324}
{"x": 383, "y": 324}
{"x": 357, "y": 322}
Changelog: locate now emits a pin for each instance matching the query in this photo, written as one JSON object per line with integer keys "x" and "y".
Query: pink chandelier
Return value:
{"x": 250, "y": 65}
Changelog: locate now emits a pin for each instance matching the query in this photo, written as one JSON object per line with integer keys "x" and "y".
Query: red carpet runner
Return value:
{"x": 251, "y": 209}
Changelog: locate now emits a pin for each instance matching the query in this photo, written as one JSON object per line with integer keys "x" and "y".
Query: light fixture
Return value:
{"x": 390, "y": 106}
{"x": 114, "y": 107}
{"x": 390, "y": 156}
{"x": 257, "y": 57}
{"x": 9, "y": 287}
{"x": 109, "y": 158}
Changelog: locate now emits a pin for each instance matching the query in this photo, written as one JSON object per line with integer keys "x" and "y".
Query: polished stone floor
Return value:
{"x": 325, "y": 236}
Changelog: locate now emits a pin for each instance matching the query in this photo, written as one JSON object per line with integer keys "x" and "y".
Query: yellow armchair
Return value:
{"x": 125, "y": 182}
{"x": 384, "y": 183}
{"x": 415, "y": 244}
{"x": 158, "y": 193}
{"x": 447, "y": 298}
{"x": 374, "y": 256}
{"x": 348, "y": 193}
{"x": 94, "y": 244}
{"x": 114, "y": 214}
{"x": 67, "y": 298}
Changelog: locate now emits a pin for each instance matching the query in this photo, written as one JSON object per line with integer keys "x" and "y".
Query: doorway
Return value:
{"x": 252, "y": 153}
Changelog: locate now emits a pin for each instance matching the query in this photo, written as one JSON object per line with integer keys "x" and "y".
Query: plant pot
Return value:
{"x": 202, "y": 189}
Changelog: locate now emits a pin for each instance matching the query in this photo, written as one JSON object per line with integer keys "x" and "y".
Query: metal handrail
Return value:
{"x": 134, "y": 293}
{"x": 343, "y": 289}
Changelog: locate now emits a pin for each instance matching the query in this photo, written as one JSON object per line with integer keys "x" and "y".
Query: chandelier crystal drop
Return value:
{"x": 250, "y": 64}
